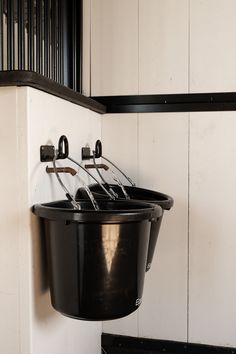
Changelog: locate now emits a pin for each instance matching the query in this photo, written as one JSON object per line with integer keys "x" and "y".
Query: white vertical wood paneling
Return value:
{"x": 170, "y": 56}
{"x": 163, "y": 46}
{"x": 163, "y": 166}
{"x": 120, "y": 141}
{"x": 28, "y": 323}
{"x": 25, "y": 303}
{"x": 9, "y": 227}
{"x": 9, "y": 324}
{"x": 212, "y": 49}
{"x": 8, "y": 213}
{"x": 114, "y": 47}
{"x": 212, "y": 229}
{"x": 48, "y": 118}
{"x": 119, "y": 137}
{"x": 163, "y": 68}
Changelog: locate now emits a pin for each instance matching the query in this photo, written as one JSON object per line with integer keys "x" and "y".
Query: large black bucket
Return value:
{"x": 97, "y": 259}
{"x": 163, "y": 200}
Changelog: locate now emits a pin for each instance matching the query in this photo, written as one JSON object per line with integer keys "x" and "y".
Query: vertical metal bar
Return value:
{"x": 79, "y": 45}
{"x": 74, "y": 46}
{"x": 21, "y": 35}
{"x": 53, "y": 42}
{"x": 39, "y": 36}
{"x": 1, "y": 35}
{"x": 59, "y": 40}
{"x": 41, "y": 29}
{"x": 61, "y": 43}
{"x": 56, "y": 41}
{"x": 66, "y": 10}
{"x": 47, "y": 37}
{"x": 31, "y": 49}
{"x": 10, "y": 35}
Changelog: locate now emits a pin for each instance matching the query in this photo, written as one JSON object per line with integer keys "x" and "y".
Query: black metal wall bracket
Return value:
{"x": 47, "y": 152}
{"x": 86, "y": 151}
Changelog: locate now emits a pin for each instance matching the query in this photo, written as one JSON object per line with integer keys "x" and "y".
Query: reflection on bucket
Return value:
{"x": 110, "y": 238}
{"x": 163, "y": 200}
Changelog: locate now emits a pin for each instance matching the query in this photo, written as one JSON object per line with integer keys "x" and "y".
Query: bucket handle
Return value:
{"x": 69, "y": 196}
{"x": 90, "y": 174}
{"x": 86, "y": 155}
{"x": 49, "y": 153}
{"x": 114, "y": 176}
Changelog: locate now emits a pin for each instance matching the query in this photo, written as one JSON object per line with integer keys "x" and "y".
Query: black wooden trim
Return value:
{"x": 189, "y": 102}
{"x": 192, "y": 102}
{"x": 32, "y": 79}
{"x": 124, "y": 344}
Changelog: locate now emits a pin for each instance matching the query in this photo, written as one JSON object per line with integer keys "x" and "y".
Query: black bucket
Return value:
{"x": 97, "y": 259}
{"x": 141, "y": 194}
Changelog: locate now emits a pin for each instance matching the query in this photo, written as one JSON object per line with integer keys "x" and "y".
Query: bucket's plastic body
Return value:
{"x": 97, "y": 259}
{"x": 141, "y": 194}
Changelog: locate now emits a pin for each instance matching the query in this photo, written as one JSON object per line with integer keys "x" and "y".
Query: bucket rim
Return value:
{"x": 51, "y": 211}
{"x": 166, "y": 203}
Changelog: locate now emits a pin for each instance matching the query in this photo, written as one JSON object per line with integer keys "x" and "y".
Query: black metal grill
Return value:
{"x": 43, "y": 36}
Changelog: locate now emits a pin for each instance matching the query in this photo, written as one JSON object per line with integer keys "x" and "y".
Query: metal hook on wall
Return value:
{"x": 47, "y": 152}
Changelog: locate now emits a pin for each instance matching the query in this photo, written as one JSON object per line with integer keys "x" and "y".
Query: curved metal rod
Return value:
{"x": 114, "y": 176}
{"x": 68, "y": 194}
{"x": 118, "y": 181}
{"x": 91, "y": 197}
{"x": 128, "y": 178}
{"x": 102, "y": 178}
{"x": 90, "y": 174}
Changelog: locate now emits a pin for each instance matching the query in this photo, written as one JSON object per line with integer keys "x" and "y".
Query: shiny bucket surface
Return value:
{"x": 97, "y": 259}
{"x": 163, "y": 200}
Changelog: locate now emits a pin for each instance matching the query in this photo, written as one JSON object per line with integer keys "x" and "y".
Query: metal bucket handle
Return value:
{"x": 98, "y": 154}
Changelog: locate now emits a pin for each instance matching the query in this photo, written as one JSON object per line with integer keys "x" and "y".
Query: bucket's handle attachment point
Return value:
{"x": 98, "y": 149}
{"x": 63, "y": 148}
{"x": 47, "y": 152}
{"x": 61, "y": 170}
{"x": 99, "y": 165}
{"x": 69, "y": 196}
{"x": 86, "y": 151}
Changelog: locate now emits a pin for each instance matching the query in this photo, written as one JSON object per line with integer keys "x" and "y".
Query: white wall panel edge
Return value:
{"x": 50, "y": 117}
{"x": 24, "y": 220}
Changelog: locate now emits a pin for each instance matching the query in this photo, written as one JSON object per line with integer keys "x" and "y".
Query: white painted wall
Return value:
{"x": 28, "y": 324}
{"x": 114, "y": 47}
{"x": 183, "y": 46}
{"x": 9, "y": 225}
{"x": 137, "y": 142}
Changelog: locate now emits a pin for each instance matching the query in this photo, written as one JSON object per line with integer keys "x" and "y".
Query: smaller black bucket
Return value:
{"x": 145, "y": 195}
{"x": 97, "y": 259}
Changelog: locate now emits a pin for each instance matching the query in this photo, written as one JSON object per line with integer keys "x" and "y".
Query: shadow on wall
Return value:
{"x": 41, "y": 297}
